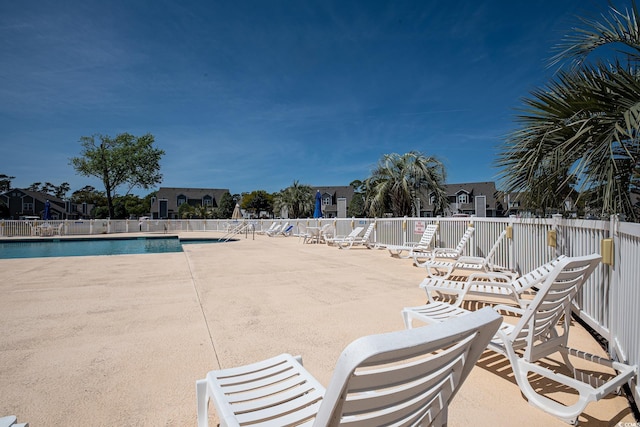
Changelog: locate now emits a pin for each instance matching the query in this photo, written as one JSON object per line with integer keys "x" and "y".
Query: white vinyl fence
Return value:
{"x": 609, "y": 302}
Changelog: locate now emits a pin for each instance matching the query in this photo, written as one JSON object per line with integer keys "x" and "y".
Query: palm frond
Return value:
{"x": 619, "y": 26}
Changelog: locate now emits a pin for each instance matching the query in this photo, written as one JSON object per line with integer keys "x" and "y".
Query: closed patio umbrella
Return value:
{"x": 317, "y": 212}
{"x": 236, "y": 212}
{"x": 47, "y": 208}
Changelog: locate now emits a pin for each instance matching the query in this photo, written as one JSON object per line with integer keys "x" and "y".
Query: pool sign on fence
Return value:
{"x": 418, "y": 227}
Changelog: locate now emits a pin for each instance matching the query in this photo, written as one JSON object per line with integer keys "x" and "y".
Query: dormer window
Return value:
{"x": 463, "y": 198}
{"x": 326, "y": 200}
{"x": 182, "y": 200}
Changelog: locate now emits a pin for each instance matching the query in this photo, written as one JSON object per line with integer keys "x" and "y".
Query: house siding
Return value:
{"x": 165, "y": 204}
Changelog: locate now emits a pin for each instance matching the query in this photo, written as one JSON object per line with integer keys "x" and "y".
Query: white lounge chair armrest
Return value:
{"x": 470, "y": 260}
{"x": 509, "y": 308}
{"x": 490, "y": 276}
{"x": 442, "y": 252}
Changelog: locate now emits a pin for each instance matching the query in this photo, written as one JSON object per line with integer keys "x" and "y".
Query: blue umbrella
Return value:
{"x": 47, "y": 206}
{"x": 317, "y": 213}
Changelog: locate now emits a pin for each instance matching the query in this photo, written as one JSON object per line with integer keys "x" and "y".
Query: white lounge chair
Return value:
{"x": 277, "y": 229}
{"x": 424, "y": 245}
{"x": 536, "y": 336}
{"x": 287, "y": 231}
{"x": 11, "y": 421}
{"x": 271, "y": 227}
{"x": 506, "y": 285}
{"x": 405, "y": 377}
{"x": 327, "y": 231}
{"x": 444, "y": 268}
{"x": 451, "y": 253}
{"x": 365, "y": 240}
{"x": 335, "y": 240}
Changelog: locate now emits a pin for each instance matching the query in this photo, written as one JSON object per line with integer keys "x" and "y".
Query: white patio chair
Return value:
{"x": 537, "y": 335}
{"x": 444, "y": 268}
{"x": 365, "y": 240}
{"x": 424, "y": 245}
{"x": 489, "y": 284}
{"x": 452, "y": 253}
{"x": 403, "y": 378}
{"x": 59, "y": 230}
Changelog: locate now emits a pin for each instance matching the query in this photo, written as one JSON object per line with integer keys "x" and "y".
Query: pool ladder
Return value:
{"x": 241, "y": 228}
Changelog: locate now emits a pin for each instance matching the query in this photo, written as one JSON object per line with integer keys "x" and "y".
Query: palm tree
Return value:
{"x": 296, "y": 199}
{"x": 583, "y": 126}
{"x": 399, "y": 179}
{"x": 202, "y": 211}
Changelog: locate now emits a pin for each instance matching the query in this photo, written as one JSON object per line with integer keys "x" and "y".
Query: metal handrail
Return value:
{"x": 243, "y": 227}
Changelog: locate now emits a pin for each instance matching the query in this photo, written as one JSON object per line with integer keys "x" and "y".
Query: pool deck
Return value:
{"x": 121, "y": 340}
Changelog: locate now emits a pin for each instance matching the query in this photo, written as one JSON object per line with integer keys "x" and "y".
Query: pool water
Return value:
{"x": 89, "y": 247}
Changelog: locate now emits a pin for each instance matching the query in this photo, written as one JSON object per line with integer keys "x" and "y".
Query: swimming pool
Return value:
{"x": 94, "y": 246}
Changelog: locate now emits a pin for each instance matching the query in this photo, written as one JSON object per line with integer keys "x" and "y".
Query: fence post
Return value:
{"x": 612, "y": 277}
{"x": 511, "y": 246}
{"x": 472, "y": 239}
{"x": 553, "y": 236}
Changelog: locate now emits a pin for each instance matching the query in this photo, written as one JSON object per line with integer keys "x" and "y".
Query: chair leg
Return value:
{"x": 442, "y": 419}
{"x": 203, "y": 402}
{"x": 408, "y": 320}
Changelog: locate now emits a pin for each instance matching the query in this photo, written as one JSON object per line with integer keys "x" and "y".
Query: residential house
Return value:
{"x": 473, "y": 198}
{"x": 335, "y": 200}
{"x": 26, "y": 203}
{"x": 168, "y": 199}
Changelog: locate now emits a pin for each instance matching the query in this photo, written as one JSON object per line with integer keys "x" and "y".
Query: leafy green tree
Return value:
{"x": 226, "y": 205}
{"x": 36, "y": 186}
{"x": 100, "y": 212}
{"x": 582, "y": 127}
{"x": 123, "y": 160}
{"x": 186, "y": 211}
{"x": 59, "y": 191}
{"x": 129, "y": 206}
{"x": 398, "y": 180}
{"x": 357, "y": 204}
{"x": 203, "y": 212}
{"x": 5, "y": 182}
{"x": 297, "y": 199}
{"x": 89, "y": 194}
{"x": 4, "y": 210}
{"x": 257, "y": 201}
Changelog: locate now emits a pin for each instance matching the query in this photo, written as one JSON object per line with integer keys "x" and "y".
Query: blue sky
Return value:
{"x": 252, "y": 95}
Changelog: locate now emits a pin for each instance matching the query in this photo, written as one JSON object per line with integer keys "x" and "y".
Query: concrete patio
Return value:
{"x": 121, "y": 340}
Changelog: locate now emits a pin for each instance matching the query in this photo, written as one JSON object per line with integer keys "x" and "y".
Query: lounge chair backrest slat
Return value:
{"x": 463, "y": 241}
{"x": 405, "y": 379}
{"x": 494, "y": 248}
{"x": 356, "y": 231}
{"x": 535, "y": 277}
{"x": 427, "y": 236}
{"x": 369, "y": 231}
{"x": 551, "y": 303}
